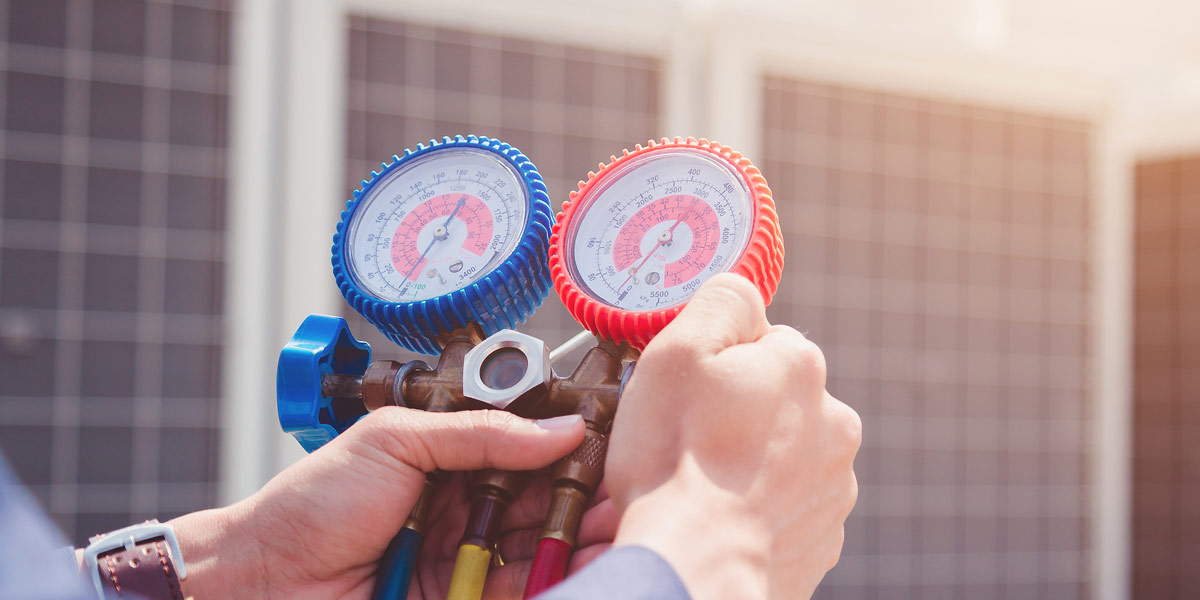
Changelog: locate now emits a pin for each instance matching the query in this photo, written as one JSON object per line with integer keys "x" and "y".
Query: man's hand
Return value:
{"x": 318, "y": 528}
{"x": 728, "y": 456}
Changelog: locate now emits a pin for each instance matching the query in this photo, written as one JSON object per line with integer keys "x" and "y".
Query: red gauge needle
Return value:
{"x": 662, "y": 238}
{"x": 439, "y": 234}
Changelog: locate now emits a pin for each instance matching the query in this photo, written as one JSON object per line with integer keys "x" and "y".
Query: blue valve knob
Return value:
{"x": 322, "y": 346}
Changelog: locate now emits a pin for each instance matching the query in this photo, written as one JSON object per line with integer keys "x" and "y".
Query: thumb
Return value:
{"x": 727, "y": 310}
{"x": 474, "y": 439}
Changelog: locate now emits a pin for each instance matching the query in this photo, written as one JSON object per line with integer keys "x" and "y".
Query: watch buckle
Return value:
{"x": 128, "y": 537}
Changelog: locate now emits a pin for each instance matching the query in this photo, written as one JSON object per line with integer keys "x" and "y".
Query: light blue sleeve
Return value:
{"x": 32, "y": 562}
{"x": 625, "y": 573}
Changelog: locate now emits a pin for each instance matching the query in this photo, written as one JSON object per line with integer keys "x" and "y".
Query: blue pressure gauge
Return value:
{"x": 448, "y": 234}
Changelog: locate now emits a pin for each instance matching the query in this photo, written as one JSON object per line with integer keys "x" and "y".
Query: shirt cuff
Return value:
{"x": 627, "y": 573}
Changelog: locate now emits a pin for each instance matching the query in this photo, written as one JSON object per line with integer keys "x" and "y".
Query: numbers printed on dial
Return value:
{"x": 436, "y": 225}
{"x": 662, "y": 226}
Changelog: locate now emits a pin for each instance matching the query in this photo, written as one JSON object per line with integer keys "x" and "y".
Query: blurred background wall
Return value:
{"x": 112, "y": 254}
{"x": 971, "y": 193}
{"x": 938, "y": 252}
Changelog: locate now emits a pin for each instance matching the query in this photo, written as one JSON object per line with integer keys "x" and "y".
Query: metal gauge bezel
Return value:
{"x": 372, "y": 194}
{"x": 596, "y": 193}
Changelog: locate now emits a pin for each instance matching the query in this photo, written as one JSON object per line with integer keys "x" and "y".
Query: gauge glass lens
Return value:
{"x": 436, "y": 225}
{"x": 656, "y": 228}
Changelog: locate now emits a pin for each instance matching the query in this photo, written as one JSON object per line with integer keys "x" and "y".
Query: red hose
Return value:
{"x": 549, "y": 566}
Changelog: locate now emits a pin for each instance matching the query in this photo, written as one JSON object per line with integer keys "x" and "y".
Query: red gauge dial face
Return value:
{"x": 680, "y": 233}
{"x": 434, "y": 221}
{"x": 436, "y": 226}
{"x": 649, "y": 235}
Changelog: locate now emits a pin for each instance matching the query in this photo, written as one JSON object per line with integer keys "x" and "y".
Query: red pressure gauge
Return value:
{"x": 639, "y": 237}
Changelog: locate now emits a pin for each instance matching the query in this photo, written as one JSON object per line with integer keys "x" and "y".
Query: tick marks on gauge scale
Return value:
{"x": 664, "y": 239}
{"x": 440, "y": 233}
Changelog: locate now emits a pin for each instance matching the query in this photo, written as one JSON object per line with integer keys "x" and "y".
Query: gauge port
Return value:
{"x": 505, "y": 367}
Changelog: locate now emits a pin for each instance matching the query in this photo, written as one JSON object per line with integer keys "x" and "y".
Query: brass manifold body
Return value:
{"x": 592, "y": 391}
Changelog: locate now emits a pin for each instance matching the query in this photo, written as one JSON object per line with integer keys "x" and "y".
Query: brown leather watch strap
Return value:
{"x": 147, "y": 571}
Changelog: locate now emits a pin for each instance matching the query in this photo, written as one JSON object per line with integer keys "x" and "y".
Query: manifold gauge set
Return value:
{"x": 451, "y": 246}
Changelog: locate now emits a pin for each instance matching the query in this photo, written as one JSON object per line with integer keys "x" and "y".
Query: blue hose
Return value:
{"x": 396, "y": 566}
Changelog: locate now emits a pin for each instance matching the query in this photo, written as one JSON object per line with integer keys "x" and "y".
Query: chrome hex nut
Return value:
{"x": 506, "y": 366}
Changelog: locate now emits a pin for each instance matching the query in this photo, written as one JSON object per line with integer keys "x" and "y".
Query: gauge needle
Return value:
{"x": 661, "y": 238}
{"x": 445, "y": 228}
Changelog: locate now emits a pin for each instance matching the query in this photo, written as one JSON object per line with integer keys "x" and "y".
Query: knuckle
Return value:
{"x": 379, "y": 425}
{"x": 373, "y": 420}
{"x": 851, "y": 497}
{"x": 835, "y": 553}
{"x": 664, "y": 350}
{"x": 810, "y": 360}
{"x": 388, "y": 429}
{"x": 852, "y": 428}
{"x": 492, "y": 426}
{"x": 844, "y": 425}
{"x": 490, "y": 421}
{"x": 803, "y": 358}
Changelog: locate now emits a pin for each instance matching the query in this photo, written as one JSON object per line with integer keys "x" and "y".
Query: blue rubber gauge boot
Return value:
{"x": 450, "y": 233}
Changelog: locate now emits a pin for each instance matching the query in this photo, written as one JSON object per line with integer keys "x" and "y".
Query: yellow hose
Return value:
{"x": 470, "y": 571}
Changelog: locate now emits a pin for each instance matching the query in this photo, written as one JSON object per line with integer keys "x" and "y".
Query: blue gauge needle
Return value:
{"x": 445, "y": 233}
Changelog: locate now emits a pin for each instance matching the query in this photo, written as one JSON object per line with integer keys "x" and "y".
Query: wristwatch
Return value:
{"x": 141, "y": 561}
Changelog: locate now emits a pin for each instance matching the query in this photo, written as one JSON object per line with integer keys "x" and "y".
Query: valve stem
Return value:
{"x": 575, "y": 480}
{"x": 492, "y": 491}
{"x": 418, "y": 517}
{"x": 334, "y": 385}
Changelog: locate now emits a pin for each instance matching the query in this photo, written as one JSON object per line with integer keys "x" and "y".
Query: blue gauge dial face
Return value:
{"x": 436, "y": 224}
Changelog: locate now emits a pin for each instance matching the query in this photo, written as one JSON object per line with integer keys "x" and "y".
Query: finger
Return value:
{"x": 431, "y": 577}
{"x": 599, "y": 525}
{"x": 471, "y": 440}
{"x": 727, "y": 310}
{"x": 507, "y": 582}
{"x": 448, "y": 514}
{"x": 529, "y": 508}
{"x": 601, "y": 494}
{"x": 449, "y": 491}
{"x": 520, "y": 544}
{"x": 584, "y": 556}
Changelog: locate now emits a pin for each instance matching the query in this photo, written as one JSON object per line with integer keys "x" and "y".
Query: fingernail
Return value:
{"x": 562, "y": 422}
